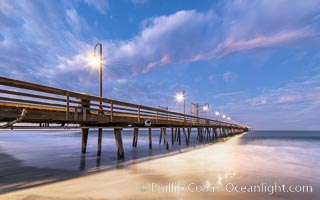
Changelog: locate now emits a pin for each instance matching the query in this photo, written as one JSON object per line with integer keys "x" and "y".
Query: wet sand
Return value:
{"x": 208, "y": 170}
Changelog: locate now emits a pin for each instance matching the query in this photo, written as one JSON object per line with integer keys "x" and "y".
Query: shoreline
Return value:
{"x": 32, "y": 193}
{"x": 54, "y": 175}
{"x": 218, "y": 164}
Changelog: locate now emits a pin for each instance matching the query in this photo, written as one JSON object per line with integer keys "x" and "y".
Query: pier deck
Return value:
{"x": 24, "y": 102}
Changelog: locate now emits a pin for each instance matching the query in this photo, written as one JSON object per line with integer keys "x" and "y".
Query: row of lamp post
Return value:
{"x": 180, "y": 96}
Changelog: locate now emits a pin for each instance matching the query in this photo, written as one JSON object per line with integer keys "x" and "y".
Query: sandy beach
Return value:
{"x": 198, "y": 174}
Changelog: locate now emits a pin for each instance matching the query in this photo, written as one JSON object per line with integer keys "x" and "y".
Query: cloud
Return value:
{"x": 230, "y": 46}
{"x": 306, "y": 92}
{"x": 231, "y": 95}
{"x": 317, "y": 68}
{"x": 229, "y": 76}
{"x": 56, "y": 55}
{"x": 244, "y": 19}
{"x": 295, "y": 105}
{"x": 101, "y": 5}
{"x": 164, "y": 40}
{"x": 76, "y": 22}
{"x": 258, "y": 101}
{"x": 37, "y": 40}
{"x": 184, "y": 36}
{"x": 5, "y": 7}
{"x": 190, "y": 35}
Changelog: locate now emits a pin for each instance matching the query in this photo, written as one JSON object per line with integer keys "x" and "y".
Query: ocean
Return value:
{"x": 31, "y": 159}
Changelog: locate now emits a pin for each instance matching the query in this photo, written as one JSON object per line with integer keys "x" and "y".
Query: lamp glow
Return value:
{"x": 94, "y": 61}
{"x": 180, "y": 97}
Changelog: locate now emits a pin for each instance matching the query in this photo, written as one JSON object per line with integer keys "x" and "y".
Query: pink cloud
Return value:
{"x": 306, "y": 91}
{"x": 188, "y": 36}
{"x": 230, "y": 46}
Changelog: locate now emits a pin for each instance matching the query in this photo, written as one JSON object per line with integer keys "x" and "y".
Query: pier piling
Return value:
{"x": 160, "y": 137}
{"x": 165, "y": 140}
{"x": 150, "y": 139}
{"x": 189, "y": 133}
{"x": 118, "y": 138}
{"x": 185, "y": 136}
{"x": 135, "y": 137}
{"x": 99, "y": 141}
{"x": 179, "y": 136}
{"x": 85, "y": 132}
{"x": 172, "y": 136}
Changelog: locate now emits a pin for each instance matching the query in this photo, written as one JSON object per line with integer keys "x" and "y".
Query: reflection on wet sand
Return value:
{"x": 13, "y": 175}
{"x": 201, "y": 173}
{"x": 193, "y": 173}
{"x": 26, "y": 162}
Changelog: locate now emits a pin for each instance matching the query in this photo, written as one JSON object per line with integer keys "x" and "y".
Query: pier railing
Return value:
{"x": 16, "y": 93}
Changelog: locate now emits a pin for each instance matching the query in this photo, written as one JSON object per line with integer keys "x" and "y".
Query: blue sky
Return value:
{"x": 259, "y": 61}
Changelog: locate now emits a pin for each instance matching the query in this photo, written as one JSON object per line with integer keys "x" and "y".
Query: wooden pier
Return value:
{"x": 49, "y": 107}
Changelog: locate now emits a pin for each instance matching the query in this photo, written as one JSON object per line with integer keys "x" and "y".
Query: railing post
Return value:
{"x": 111, "y": 111}
{"x": 68, "y": 108}
{"x": 157, "y": 117}
{"x": 138, "y": 114}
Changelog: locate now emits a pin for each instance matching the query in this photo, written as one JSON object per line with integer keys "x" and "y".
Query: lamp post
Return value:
{"x": 94, "y": 53}
{"x": 100, "y": 107}
{"x": 182, "y": 97}
{"x": 206, "y": 108}
{"x": 224, "y": 116}
{"x": 217, "y": 113}
{"x": 184, "y": 102}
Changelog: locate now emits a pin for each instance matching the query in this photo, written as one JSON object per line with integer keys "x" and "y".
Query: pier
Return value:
{"x": 41, "y": 107}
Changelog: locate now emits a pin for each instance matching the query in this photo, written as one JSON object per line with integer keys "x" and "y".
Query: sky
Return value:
{"x": 256, "y": 61}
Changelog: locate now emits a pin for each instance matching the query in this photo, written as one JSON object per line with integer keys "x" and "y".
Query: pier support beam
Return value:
{"x": 172, "y": 136}
{"x": 185, "y": 136}
{"x": 99, "y": 141}
{"x": 189, "y": 133}
{"x": 200, "y": 134}
{"x": 135, "y": 137}
{"x": 179, "y": 136}
{"x": 208, "y": 134}
{"x": 165, "y": 139}
{"x": 176, "y": 134}
{"x": 215, "y": 133}
{"x": 85, "y": 132}
{"x": 118, "y": 138}
{"x": 223, "y": 132}
{"x": 160, "y": 137}
{"x": 150, "y": 139}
